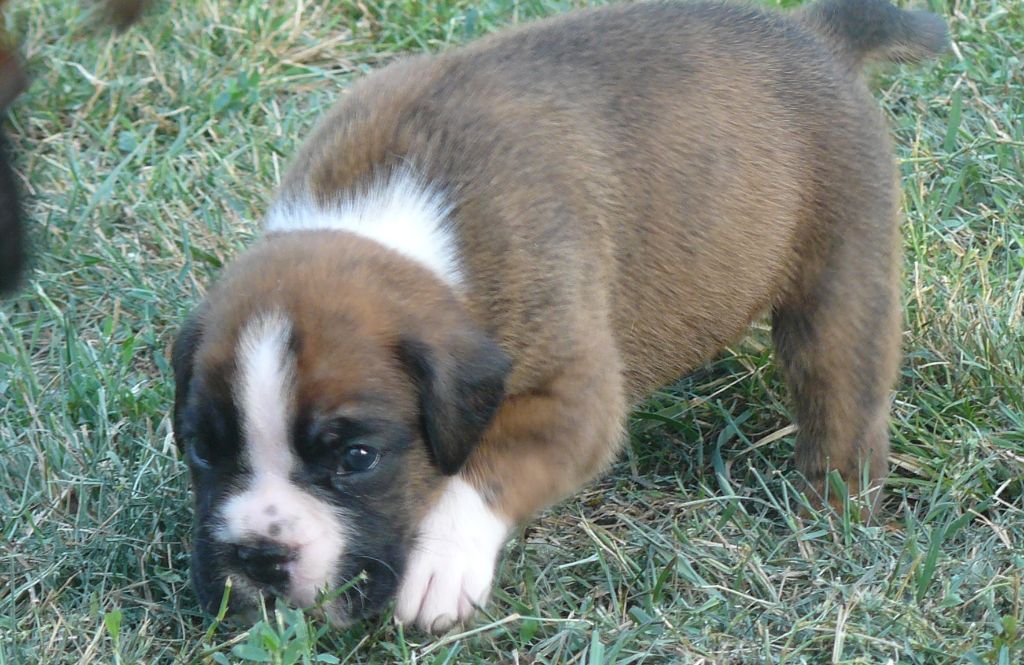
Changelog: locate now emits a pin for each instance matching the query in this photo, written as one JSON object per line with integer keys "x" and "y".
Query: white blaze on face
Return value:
{"x": 272, "y": 507}
{"x": 401, "y": 212}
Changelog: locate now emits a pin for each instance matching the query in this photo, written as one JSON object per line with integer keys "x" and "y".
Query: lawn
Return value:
{"x": 148, "y": 158}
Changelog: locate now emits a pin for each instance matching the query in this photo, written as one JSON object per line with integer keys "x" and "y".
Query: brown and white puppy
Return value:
{"x": 480, "y": 260}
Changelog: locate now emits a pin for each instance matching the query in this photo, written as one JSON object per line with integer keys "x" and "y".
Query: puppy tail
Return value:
{"x": 876, "y": 31}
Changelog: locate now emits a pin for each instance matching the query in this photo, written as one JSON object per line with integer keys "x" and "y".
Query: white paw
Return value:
{"x": 451, "y": 565}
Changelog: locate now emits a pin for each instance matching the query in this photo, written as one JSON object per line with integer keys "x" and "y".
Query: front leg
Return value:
{"x": 540, "y": 447}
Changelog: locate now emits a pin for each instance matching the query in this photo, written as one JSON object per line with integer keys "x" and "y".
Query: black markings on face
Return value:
{"x": 373, "y": 503}
{"x": 372, "y": 506}
{"x": 212, "y": 438}
{"x": 211, "y": 430}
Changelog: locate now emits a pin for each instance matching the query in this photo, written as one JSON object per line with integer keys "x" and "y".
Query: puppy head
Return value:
{"x": 324, "y": 390}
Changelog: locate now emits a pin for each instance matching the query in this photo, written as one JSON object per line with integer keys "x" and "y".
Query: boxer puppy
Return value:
{"x": 480, "y": 260}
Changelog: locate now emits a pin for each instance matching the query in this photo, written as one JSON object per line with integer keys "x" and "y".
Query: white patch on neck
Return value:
{"x": 271, "y": 507}
{"x": 401, "y": 212}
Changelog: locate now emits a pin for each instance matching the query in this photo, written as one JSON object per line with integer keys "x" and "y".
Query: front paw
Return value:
{"x": 451, "y": 566}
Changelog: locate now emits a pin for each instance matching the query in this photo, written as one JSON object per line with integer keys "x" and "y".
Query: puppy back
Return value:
{"x": 864, "y": 31}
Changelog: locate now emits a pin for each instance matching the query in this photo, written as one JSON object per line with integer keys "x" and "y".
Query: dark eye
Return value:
{"x": 359, "y": 458}
{"x": 197, "y": 455}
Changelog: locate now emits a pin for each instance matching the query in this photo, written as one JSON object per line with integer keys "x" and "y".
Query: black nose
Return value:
{"x": 265, "y": 562}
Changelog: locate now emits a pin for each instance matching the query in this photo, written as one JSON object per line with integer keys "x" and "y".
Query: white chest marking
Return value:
{"x": 400, "y": 212}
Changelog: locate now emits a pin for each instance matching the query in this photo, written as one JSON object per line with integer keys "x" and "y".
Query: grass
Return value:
{"x": 149, "y": 156}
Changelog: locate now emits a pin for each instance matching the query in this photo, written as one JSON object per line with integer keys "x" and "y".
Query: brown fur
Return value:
{"x": 633, "y": 186}
{"x": 617, "y": 235}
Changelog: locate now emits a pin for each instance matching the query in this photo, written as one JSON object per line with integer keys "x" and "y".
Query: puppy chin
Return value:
{"x": 371, "y": 584}
{"x": 368, "y": 585}
{"x": 210, "y": 579}
{"x": 243, "y": 598}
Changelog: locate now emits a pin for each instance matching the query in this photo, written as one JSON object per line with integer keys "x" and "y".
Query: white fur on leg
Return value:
{"x": 450, "y": 568}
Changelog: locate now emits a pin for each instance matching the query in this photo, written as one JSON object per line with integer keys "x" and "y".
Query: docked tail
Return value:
{"x": 876, "y": 31}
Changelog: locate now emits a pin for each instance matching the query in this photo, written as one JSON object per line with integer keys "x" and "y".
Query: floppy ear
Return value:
{"x": 461, "y": 386}
{"x": 182, "y": 355}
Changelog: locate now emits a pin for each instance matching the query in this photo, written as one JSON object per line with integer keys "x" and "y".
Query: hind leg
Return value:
{"x": 837, "y": 337}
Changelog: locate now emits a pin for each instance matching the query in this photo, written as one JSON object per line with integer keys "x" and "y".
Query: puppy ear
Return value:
{"x": 182, "y": 355}
{"x": 461, "y": 386}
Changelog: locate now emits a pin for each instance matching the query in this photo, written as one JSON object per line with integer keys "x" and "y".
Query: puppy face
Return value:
{"x": 324, "y": 390}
